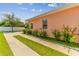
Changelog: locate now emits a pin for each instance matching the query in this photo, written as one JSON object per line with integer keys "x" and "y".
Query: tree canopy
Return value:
{"x": 10, "y": 20}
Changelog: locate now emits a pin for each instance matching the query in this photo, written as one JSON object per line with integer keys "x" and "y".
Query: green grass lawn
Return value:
{"x": 4, "y": 48}
{"x": 39, "y": 48}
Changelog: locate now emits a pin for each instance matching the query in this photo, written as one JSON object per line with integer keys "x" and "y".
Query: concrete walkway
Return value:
{"x": 17, "y": 47}
{"x": 51, "y": 45}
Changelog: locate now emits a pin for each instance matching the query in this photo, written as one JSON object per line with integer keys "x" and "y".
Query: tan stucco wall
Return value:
{"x": 56, "y": 20}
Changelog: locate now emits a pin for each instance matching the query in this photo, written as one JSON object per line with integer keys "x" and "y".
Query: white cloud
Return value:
{"x": 52, "y": 4}
{"x": 33, "y": 10}
{"x": 19, "y": 3}
{"x": 40, "y": 10}
{"x": 6, "y": 12}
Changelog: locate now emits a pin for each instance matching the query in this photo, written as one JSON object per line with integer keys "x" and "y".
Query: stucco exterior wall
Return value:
{"x": 68, "y": 17}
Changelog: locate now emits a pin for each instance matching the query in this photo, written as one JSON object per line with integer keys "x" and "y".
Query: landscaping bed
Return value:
{"x": 4, "y": 47}
{"x": 39, "y": 48}
{"x": 65, "y": 36}
{"x": 73, "y": 45}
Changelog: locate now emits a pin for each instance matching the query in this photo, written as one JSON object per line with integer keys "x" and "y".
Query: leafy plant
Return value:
{"x": 35, "y": 33}
{"x": 29, "y": 32}
{"x": 57, "y": 34}
{"x": 24, "y": 31}
{"x": 39, "y": 34}
{"x": 12, "y": 21}
{"x": 43, "y": 34}
{"x": 27, "y": 26}
{"x": 68, "y": 35}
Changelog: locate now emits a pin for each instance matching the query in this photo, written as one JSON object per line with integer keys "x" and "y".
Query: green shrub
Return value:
{"x": 29, "y": 32}
{"x": 27, "y": 26}
{"x": 57, "y": 34}
{"x": 35, "y": 33}
{"x": 68, "y": 34}
{"x": 43, "y": 34}
{"x": 24, "y": 31}
{"x": 39, "y": 34}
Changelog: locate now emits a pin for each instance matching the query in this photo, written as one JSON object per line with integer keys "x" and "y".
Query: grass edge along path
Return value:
{"x": 4, "y": 47}
{"x": 39, "y": 48}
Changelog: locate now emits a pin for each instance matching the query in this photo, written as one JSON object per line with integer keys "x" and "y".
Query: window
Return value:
{"x": 31, "y": 25}
{"x": 45, "y": 21}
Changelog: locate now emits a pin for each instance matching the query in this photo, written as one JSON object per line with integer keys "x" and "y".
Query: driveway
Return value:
{"x": 17, "y": 47}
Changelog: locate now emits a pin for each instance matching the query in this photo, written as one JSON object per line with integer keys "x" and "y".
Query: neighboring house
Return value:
{"x": 55, "y": 19}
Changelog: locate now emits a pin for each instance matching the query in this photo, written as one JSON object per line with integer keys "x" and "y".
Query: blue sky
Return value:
{"x": 27, "y": 10}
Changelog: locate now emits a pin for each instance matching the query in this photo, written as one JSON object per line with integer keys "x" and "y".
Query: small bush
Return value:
{"x": 57, "y": 34}
{"x": 39, "y": 34}
{"x": 35, "y": 33}
{"x": 29, "y": 32}
{"x": 24, "y": 31}
{"x": 43, "y": 34}
{"x": 68, "y": 34}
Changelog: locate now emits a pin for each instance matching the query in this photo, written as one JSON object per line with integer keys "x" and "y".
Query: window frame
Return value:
{"x": 45, "y": 23}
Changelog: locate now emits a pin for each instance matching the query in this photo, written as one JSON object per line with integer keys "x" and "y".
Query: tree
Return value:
{"x": 19, "y": 23}
{"x": 12, "y": 21}
{"x": 10, "y": 18}
{"x": 2, "y": 23}
{"x": 68, "y": 34}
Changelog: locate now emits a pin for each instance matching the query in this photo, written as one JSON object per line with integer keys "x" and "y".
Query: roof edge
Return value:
{"x": 56, "y": 10}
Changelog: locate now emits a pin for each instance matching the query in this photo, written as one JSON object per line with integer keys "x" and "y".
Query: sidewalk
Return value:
{"x": 18, "y": 48}
{"x": 51, "y": 45}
